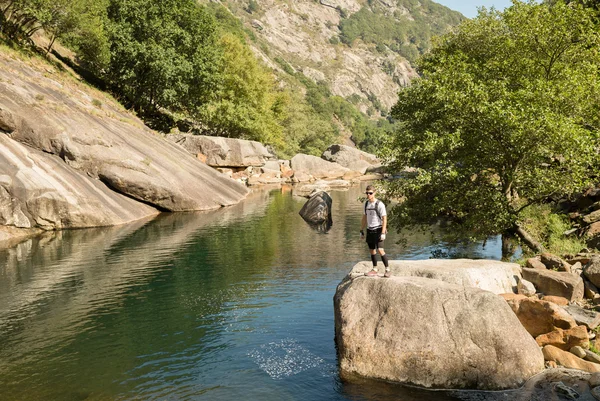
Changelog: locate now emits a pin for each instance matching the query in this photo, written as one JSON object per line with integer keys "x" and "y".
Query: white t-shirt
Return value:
{"x": 373, "y": 220}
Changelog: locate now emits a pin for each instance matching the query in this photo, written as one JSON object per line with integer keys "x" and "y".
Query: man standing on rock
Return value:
{"x": 375, "y": 220}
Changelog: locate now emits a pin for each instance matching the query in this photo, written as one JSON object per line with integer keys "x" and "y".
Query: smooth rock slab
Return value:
{"x": 432, "y": 334}
{"x": 40, "y": 190}
{"x": 491, "y": 275}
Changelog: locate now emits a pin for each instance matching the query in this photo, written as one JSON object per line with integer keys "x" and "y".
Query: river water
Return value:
{"x": 226, "y": 305}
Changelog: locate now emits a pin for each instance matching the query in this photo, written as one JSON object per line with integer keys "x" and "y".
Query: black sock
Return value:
{"x": 385, "y": 260}
{"x": 374, "y": 260}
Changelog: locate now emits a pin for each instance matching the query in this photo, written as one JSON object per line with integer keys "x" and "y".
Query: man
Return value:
{"x": 375, "y": 220}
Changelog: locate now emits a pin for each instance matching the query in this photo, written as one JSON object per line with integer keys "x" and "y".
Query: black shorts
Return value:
{"x": 373, "y": 238}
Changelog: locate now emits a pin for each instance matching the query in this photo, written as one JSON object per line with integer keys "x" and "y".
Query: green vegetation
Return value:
{"x": 505, "y": 116}
{"x": 407, "y": 35}
{"x": 548, "y": 227}
{"x": 177, "y": 60}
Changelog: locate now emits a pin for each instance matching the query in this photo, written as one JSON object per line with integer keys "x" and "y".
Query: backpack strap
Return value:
{"x": 376, "y": 208}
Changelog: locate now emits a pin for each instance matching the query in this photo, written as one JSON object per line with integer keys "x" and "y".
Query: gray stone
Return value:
{"x": 490, "y": 275}
{"x": 526, "y": 288}
{"x": 578, "y": 351}
{"x": 535, "y": 263}
{"x": 591, "y": 356}
{"x": 224, "y": 152}
{"x": 596, "y": 392}
{"x": 550, "y": 282}
{"x": 594, "y": 380}
{"x": 431, "y": 333}
{"x": 584, "y": 317}
{"x": 592, "y": 270}
{"x": 317, "y": 167}
{"x": 568, "y": 392}
{"x": 351, "y": 158}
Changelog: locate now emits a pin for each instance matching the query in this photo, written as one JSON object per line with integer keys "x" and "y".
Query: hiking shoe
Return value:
{"x": 387, "y": 274}
{"x": 372, "y": 273}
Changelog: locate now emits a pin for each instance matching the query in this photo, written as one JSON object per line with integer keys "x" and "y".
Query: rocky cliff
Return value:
{"x": 70, "y": 156}
{"x": 307, "y": 36}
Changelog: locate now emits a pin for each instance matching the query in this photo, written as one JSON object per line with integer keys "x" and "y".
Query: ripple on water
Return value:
{"x": 285, "y": 358}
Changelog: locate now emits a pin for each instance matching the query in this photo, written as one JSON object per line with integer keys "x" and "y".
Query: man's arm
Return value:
{"x": 363, "y": 223}
{"x": 384, "y": 224}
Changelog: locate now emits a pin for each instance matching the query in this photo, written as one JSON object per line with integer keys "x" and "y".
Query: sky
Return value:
{"x": 469, "y": 7}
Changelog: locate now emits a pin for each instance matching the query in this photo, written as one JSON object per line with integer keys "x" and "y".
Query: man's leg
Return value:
{"x": 384, "y": 258}
{"x": 373, "y": 250}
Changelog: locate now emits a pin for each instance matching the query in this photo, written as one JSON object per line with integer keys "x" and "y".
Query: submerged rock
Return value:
{"x": 317, "y": 210}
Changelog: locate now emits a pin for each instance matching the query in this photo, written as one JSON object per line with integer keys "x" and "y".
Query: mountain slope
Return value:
{"x": 359, "y": 49}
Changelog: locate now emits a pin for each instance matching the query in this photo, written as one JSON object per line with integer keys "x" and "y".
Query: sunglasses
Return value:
{"x": 369, "y": 193}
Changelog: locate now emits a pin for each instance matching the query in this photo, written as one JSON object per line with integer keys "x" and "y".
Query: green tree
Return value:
{"x": 163, "y": 54}
{"x": 504, "y": 116}
{"x": 245, "y": 103}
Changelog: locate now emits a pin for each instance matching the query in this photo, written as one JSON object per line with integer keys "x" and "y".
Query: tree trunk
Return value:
{"x": 528, "y": 239}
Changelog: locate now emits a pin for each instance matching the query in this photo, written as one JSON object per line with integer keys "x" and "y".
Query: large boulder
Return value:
{"x": 317, "y": 167}
{"x": 92, "y": 134}
{"x": 551, "y": 282}
{"x": 317, "y": 210}
{"x": 224, "y": 152}
{"x": 490, "y": 275}
{"x": 40, "y": 190}
{"x": 351, "y": 158}
{"x": 431, "y": 333}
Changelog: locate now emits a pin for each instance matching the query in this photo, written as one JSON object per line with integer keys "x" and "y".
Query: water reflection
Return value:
{"x": 217, "y": 305}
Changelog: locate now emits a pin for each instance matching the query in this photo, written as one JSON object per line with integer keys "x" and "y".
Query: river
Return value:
{"x": 226, "y": 305}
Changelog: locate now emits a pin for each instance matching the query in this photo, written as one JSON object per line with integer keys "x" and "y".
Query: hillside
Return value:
{"x": 361, "y": 50}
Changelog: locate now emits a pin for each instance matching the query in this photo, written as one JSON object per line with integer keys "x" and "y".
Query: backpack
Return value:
{"x": 376, "y": 208}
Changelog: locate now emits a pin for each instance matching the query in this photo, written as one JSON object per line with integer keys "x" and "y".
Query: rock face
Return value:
{"x": 431, "y": 333}
{"x": 224, "y": 152}
{"x": 111, "y": 149}
{"x": 490, "y": 275}
{"x": 39, "y": 190}
{"x": 317, "y": 167}
{"x": 539, "y": 317}
{"x": 317, "y": 210}
{"x": 351, "y": 158}
{"x": 561, "y": 284}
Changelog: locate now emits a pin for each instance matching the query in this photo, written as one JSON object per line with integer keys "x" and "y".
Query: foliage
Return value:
{"x": 406, "y": 35}
{"x": 504, "y": 116}
{"x": 20, "y": 19}
{"x": 548, "y": 228}
{"x": 163, "y": 53}
{"x": 245, "y": 103}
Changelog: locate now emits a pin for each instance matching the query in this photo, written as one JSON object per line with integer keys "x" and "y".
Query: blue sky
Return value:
{"x": 469, "y": 7}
